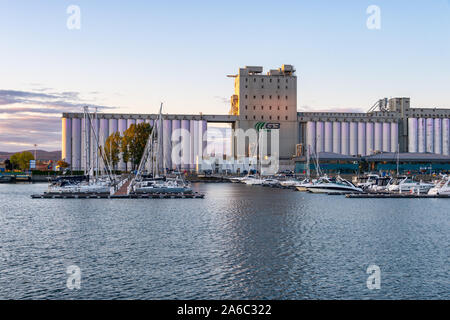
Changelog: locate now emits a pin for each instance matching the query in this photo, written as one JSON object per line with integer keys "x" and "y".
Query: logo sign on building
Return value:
{"x": 267, "y": 125}
{"x": 32, "y": 164}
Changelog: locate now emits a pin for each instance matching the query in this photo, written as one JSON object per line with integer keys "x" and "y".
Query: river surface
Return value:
{"x": 240, "y": 242}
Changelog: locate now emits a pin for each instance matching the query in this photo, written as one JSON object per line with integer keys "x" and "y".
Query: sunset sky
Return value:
{"x": 130, "y": 55}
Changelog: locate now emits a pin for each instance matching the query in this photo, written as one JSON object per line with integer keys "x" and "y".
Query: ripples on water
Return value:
{"x": 240, "y": 242}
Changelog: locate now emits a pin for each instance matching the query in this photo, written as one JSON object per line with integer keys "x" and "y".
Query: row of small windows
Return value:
{"x": 270, "y": 117}
{"x": 262, "y": 107}
{"x": 262, "y": 97}
{"x": 262, "y": 87}
{"x": 262, "y": 80}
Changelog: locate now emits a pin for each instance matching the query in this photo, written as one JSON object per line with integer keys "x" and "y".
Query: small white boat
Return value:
{"x": 254, "y": 181}
{"x": 442, "y": 187}
{"x": 270, "y": 182}
{"x": 237, "y": 179}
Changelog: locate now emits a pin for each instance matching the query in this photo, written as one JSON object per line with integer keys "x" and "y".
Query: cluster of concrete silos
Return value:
{"x": 429, "y": 135}
{"x": 352, "y": 138}
{"x": 79, "y": 143}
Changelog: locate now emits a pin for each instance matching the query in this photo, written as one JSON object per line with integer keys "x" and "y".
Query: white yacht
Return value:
{"x": 381, "y": 185}
{"x": 368, "y": 181}
{"x": 405, "y": 184}
{"x": 442, "y": 187}
{"x": 330, "y": 185}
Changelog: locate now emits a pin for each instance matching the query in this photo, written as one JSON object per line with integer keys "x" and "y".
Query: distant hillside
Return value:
{"x": 40, "y": 154}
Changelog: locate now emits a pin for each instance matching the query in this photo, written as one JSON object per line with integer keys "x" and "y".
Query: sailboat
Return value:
{"x": 307, "y": 182}
{"x": 153, "y": 182}
{"x": 255, "y": 179}
{"x": 92, "y": 181}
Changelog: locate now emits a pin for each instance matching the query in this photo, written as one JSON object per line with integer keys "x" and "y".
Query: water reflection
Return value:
{"x": 239, "y": 242}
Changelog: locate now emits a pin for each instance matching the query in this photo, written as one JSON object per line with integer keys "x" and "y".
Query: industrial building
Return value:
{"x": 408, "y": 163}
{"x": 384, "y": 163}
{"x": 74, "y": 135}
{"x": 390, "y": 126}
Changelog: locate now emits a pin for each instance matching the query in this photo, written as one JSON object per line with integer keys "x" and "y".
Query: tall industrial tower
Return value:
{"x": 270, "y": 98}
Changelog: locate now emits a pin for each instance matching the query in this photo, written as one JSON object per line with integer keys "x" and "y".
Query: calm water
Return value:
{"x": 240, "y": 242}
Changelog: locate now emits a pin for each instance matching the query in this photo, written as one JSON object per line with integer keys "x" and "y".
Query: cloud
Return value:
{"x": 24, "y": 131}
{"x": 307, "y": 108}
{"x": 223, "y": 99}
{"x": 18, "y": 110}
{"x": 29, "y": 117}
{"x": 68, "y": 100}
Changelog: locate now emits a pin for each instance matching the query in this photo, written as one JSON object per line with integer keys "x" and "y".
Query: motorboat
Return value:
{"x": 380, "y": 186}
{"x": 330, "y": 185}
{"x": 406, "y": 184}
{"x": 368, "y": 181}
{"x": 442, "y": 187}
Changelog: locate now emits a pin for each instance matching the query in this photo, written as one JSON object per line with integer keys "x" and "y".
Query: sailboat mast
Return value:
{"x": 308, "y": 169}
{"x": 87, "y": 164}
{"x": 398, "y": 157}
{"x": 158, "y": 143}
{"x": 97, "y": 144}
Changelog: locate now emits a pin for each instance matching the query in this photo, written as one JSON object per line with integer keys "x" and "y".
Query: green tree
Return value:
{"x": 112, "y": 149}
{"x": 138, "y": 142}
{"x": 62, "y": 164}
{"x": 125, "y": 143}
{"x": 133, "y": 143}
{"x": 21, "y": 160}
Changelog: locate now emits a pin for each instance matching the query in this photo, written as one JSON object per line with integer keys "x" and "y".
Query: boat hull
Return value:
{"x": 163, "y": 190}
{"x": 331, "y": 190}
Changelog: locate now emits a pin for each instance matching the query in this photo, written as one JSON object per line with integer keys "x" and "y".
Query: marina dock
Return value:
{"x": 194, "y": 195}
{"x": 395, "y": 196}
